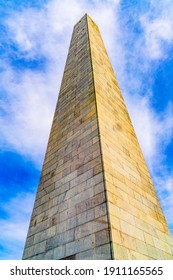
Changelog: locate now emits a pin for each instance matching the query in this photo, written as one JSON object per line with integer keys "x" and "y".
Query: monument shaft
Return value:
{"x": 95, "y": 198}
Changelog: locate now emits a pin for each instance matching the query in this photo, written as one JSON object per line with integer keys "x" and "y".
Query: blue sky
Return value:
{"x": 34, "y": 41}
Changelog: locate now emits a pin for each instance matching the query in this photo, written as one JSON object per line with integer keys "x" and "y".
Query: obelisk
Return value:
{"x": 95, "y": 198}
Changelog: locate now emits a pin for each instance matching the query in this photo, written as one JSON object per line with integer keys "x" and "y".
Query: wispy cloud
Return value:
{"x": 165, "y": 193}
{"x": 14, "y": 226}
{"x": 157, "y": 24}
{"x": 28, "y": 102}
{"x": 154, "y": 131}
{"x": 157, "y": 32}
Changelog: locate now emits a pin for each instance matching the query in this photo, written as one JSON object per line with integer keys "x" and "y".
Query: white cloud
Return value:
{"x": 15, "y": 224}
{"x": 154, "y": 131}
{"x": 157, "y": 32}
{"x": 157, "y": 25}
{"x": 47, "y": 30}
{"x": 165, "y": 192}
{"x": 29, "y": 112}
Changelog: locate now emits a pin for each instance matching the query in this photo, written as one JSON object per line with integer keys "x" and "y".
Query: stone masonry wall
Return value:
{"x": 69, "y": 220}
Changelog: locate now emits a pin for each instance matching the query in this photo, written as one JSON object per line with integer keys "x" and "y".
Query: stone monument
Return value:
{"x": 95, "y": 198}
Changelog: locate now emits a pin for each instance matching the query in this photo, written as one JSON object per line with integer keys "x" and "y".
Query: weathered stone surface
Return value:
{"x": 95, "y": 199}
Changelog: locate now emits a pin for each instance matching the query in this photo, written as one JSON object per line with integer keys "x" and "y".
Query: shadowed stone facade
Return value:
{"x": 95, "y": 198}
